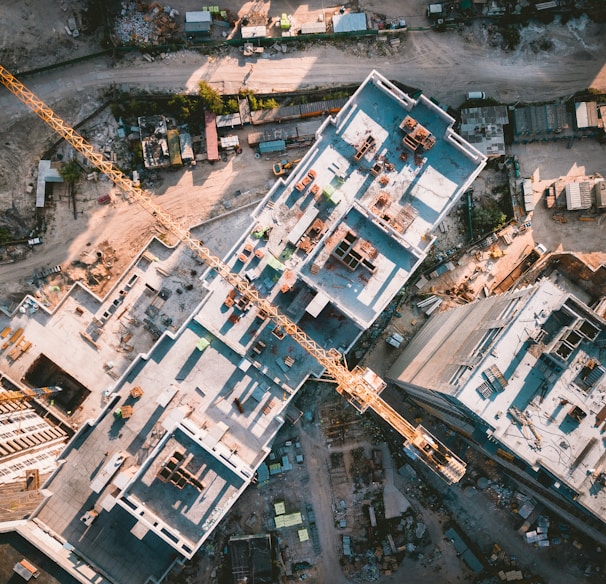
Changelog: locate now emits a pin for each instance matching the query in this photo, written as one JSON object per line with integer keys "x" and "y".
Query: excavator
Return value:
{"x": 360, "y": 386}
{"x": 284, "y": 167}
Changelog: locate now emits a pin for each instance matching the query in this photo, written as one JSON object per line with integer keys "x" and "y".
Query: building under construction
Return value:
{"x": 187, "y": 422}
{"x": 523, "y": 376}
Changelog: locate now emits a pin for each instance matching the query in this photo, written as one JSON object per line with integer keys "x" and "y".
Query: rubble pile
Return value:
{"x": 140, "y": 23}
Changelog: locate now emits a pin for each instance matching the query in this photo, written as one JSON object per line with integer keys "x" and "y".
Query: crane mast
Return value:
{"x": 360, "y": 386}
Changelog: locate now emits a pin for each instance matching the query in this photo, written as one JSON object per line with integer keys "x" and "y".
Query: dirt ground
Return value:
{"x": 327, "y": 482}
{"x": 190, "y": 195}
{"x": 545, "y": 163}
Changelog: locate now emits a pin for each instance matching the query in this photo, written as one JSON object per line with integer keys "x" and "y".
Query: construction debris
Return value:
{"x": 142, "y": 24}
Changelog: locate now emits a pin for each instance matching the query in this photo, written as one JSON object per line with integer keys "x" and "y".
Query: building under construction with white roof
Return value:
{"x": 189, "y": 421}
{"x": 523, "y": 375}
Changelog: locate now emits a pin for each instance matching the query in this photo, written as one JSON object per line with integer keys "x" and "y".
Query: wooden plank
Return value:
{"x": 16, "y": 336}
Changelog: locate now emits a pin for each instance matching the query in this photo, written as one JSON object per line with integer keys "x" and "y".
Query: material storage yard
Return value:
{"x": 189, "y": 426}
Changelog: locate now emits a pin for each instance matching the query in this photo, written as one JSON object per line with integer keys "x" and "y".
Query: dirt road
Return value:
{"x": 312, "y": 444}
{"x": 444, "y": 65}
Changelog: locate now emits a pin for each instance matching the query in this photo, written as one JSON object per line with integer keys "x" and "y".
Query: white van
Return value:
{"x": 475, "y": 95}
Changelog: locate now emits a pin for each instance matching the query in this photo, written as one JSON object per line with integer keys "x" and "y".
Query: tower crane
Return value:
{"x": 361, "y": 386}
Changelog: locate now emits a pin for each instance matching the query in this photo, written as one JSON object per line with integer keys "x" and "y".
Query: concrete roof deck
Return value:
{"x": 188, "y": 511}
{"x": 362, "y": 294}
{"x": 207, "y": 382}
{"x": 109, "y": 320}
{"x": 251, "y": 329}
{"x": 569, "y": 450}
{"x": 110, "y": 544}
{"x": 204, "y": 386}
{"x": 425, "y": 189}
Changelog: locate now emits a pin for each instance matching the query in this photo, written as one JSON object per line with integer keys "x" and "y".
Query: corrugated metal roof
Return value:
{"x": 229, "y": 121}
{"x": 198, "y": 16}
{"x": 276, "y": 114}
{"x": 229, "y": 141}
{"x": 187, "y": 152}
{"x": 212, "y": 139}
{"x": 528, "y": 195}
{"x": 578, "y": 195}
{"x": 541, "y": 118}
{"x": 328, "y": 105}
{"x": 313, "y": 28}
{"x": 587, "y": 114}
{"x": 273, "y": 146}
{"x": 350, "y": 22}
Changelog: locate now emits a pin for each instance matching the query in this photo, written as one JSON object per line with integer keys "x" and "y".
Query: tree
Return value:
{"x": 211, "y": 98}
{"x": 70, "y": 171}
{"x": 486, "y": 219}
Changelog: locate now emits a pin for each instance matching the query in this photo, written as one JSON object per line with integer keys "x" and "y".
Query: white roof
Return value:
{"x": 198, "y": 16}
{"x": 573, "y": 196}
{"x": 349, "y": 22}
{"x": 313, "y": 27}
{"x": 587, "y": 114}
{"x": 254, "y": 32}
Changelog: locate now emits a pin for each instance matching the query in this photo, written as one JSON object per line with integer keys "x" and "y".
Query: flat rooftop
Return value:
{"x": 561, "y": 401}
{"x": 190, "y": 386}
{"x": 367, "y": 171}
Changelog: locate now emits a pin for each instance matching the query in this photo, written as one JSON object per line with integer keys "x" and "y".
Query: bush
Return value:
{"x": 187, "y": 108}
{"x": 70, "y": 171}
{"x": 487, "y": 219}
{"x": 231, "y": 106}
{"x": 511, "y": 37}
{"x": 5, "y": 235}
